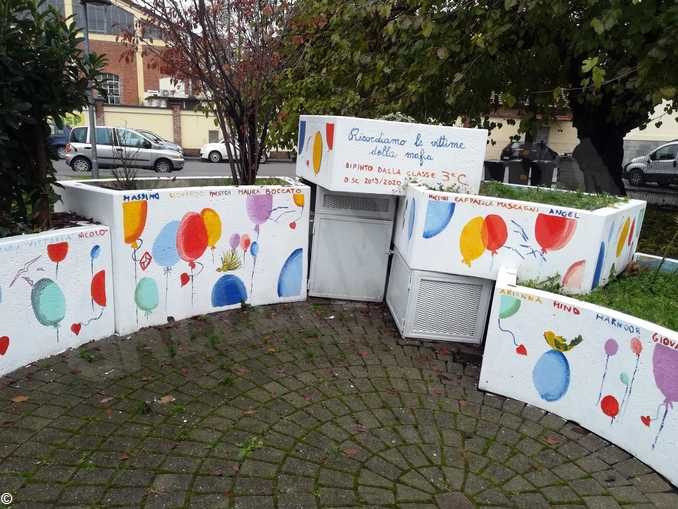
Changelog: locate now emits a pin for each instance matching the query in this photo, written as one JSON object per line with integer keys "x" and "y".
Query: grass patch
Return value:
{"x": 650, "y": 295}
{"x": 573, "y": 199}
{"x": 659, "y": 225}
{"x": 249, "y": 447}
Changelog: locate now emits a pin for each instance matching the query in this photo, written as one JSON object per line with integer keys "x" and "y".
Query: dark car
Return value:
{"x": 530, "y": 162}
{"x": 57, "y": 141}
{"x": 538, "y": 152}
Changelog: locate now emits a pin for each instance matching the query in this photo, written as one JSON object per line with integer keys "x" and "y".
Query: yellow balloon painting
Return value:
{"x": 622, "y": 236}
{"x": 298, "y": 199}
{"x": 134, "y": 220}
{"x": 212, "y": 225}
{"x": 317, "y": 152}
{"x": 471, "y": 242}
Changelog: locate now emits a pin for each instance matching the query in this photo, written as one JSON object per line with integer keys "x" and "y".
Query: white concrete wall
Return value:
{"x": 56, "y": 293}
{"x": 171, "y": 247}
{"x": 612, "y": 373}
{"x": 475, "y": 235}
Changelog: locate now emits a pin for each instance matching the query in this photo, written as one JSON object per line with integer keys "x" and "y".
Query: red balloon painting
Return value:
{"x": 494, "y": 232}
{"x": 98, "y": 288}
{"x": 191, "y": 237}
{"x": 329, "y": 134}
{"x": 610, "y": 406}
{"x": 553, "y": 232}
{"x": 57, "y": 252}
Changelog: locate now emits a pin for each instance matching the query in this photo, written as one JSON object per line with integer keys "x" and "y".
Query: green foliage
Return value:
{"x": 42, "y": 76}
{"x": 658, "y": 226}
{"x": 577, "y": 200}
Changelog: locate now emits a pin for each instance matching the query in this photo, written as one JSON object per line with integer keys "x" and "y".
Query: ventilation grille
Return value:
{"x": 447, "y": 308}
{"x": 348, "y": 202}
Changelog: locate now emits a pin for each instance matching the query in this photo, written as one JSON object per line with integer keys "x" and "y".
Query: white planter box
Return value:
{"x": 360, "y": 155}
{"x": 56, "y": 293}
{"x": 186, "y": 251}
{"x": 475, "y": 235}
{"x": 619, "y": 380}
{"x": 435, "y": 306}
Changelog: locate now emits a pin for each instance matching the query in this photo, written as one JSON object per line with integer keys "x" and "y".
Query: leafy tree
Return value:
{"x": 232, "y": 51}
{"x": 609, "y": 62}
{"x": 42, "y": 76}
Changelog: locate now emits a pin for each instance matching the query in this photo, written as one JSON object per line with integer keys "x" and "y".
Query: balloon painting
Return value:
{"x": 317, "y": 152}
{"x": 551, "y": 373}
{"x": 553, "y": 232}
{"x": 93, "y": 255}
{"x": 146, "y": 295}
{"x": 98, "y": 288}
{"x": 621, "y": 239}
{"x": 329, "y": 134}
{"x": 509, "y": 306}
{"x": 494, "y": 233}
{"x": 57, "y": 253}
{"x": 471, "y": 242}
{"x": 438, "y": 216}
{"x": 213, "y": 226}
{"x": 228, "y": 290}
{"x": 610, "y": 406}
{"x": 599, "y": 266}
{"x": 636, "y": 346}
{"x": 611, "y": 347}
{"x": 302, "y": 135}
{"x": 4, "y": 344}
{"x": 165, "y": 252}
{"x": 291, "y": 275}
{"x": 574, "y": 276}
{"x": 192, "y": 240}
{"x": 411, "y": 218}
{"x": 134, "y": 215}
{"x": 49, "y": 303}
{"x": 665, "y": 370}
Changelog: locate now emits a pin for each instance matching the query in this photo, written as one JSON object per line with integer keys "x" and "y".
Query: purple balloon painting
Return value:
{"x": 665, "y": 369}
{"x": 611, "y": 348}
{"x": 259, "y": 207}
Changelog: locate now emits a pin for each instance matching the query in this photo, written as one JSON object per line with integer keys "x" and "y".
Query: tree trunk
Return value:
{"x": 610, "y": 147}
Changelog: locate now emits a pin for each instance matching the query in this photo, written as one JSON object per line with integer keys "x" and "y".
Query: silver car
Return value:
{"x": 658, "y": 166}
{"x": 117, "y": 146}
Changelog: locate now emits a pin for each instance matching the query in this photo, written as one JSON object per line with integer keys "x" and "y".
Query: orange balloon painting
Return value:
{"x": 298, "y": 199}
{"x": 494, "y": 232}
{"x": 134, "y": 219}
{"x": 317, "y": 152}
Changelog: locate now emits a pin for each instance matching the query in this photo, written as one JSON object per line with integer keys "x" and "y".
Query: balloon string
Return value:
{"x": 633, "y": 377}
{"x": 93, "y": 319}
{"x": 661, "y": 426}
{"x": 515, "y": 342}
{"x": 602, "y": 382}
{"x": 254, "y": 264}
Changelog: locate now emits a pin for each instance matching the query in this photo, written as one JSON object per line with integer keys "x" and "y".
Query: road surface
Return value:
{"x": 193, "y": 167}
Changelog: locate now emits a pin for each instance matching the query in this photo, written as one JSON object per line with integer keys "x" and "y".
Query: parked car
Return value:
{"x": 118, "y": 146}
{"x": 216, "y": 152}
{"x": 57, "y": 141}
{"x": 657, "y": 166}
{"x": 156, "y": 138}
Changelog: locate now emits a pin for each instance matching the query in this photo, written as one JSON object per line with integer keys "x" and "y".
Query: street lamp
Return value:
{"x": 90, "y": 92}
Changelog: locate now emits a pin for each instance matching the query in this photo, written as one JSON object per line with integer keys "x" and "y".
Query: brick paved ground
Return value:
{"x": 315, "y": 404}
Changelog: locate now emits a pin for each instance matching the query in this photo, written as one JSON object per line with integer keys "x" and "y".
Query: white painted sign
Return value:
{"x": 475, "y": 235}
{"x": 612, "y": 373}
{"x": 380, "y": 157}
{"x": 56, "y": 293}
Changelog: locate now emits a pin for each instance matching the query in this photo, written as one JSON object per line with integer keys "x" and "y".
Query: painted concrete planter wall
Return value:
{"x": 360, "y": 155}
{"x": 475, "y": 235}
{"x": 612, "y": 373}
{"x": 56, "y": 293}
{"x": 180, "y": 252}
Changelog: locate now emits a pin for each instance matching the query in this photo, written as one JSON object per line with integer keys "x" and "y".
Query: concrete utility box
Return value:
{"x": 351, "y": 243}
{"x": 437, "y": 306}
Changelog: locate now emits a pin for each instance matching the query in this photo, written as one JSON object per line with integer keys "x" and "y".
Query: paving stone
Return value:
{"x": 530, "y": 501}
{"x": 559, "y": 494}
{"x": 601, "y": 503}
{"x": 375, "y": 496}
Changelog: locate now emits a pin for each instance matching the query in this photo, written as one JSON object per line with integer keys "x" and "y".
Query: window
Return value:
{"x": 213, "y": 136}
{"x": 667, "y": 153}
{"x": 104, "y": 19}
{"x": 127, "y": 138}
{"x": 104, "y": 136}
{"x": 79, "y": 135}
{"x": 111, "y": 87}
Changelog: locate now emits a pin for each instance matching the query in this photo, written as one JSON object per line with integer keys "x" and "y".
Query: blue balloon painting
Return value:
{"x": 599, "y": 266}
{"x": 48, "y": 301}
{"x": 254, "y": 248}
{"x": 410, "y": 221}
{"x": 228, "y": 290}
{"x": 164, "y": 250}
{"x": 290, "y": 279}
{"x": 146, "y": 294}
{"x": 551, "y": 375}
{"x": 302, "y": 135}
{"x": 95, "y": 252}
{"x": 438, "y": 215}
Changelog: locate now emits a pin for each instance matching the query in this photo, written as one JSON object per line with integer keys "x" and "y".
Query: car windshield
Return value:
{"x": 152, "y": 135}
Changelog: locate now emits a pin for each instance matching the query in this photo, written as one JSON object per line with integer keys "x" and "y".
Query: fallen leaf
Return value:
{"x": 308, "y": 397}
{"x": 167, "y": 399}
{"x": 124, "y": 456}
{"x": 241, "y": 371}
{"x": 351, "y": 451}
{"x": 363, "y": 354}
{"x": 20, "y": 399}
{"x": 552, "y": 440}
{"x": 109, "y": 412}
{"x": 106, "y": 400}
{"x": 436, "y": 391}
{"x": 272, "y": 350}
{"x": 184, "y": 371}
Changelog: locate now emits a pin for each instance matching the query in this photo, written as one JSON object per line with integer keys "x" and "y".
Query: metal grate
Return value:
{"x": 447, "y": 308}
{"x": 349, "y": 202}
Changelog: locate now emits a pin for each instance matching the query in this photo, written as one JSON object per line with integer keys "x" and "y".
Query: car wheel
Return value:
{"x": 162, "y": 166}
{"x": 636, "y": 178}
{"x": 81, "y": 164}
{"x": 215, "y": 156}
{"x": 61, "y": 152}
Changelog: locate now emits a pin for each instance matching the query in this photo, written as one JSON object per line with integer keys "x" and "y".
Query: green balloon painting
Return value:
{"x": 146, "y": 294}
{"x": 508, "y": 306}
{"x": 49, "y": 304}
